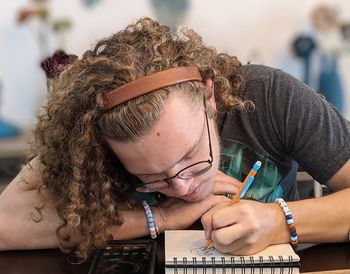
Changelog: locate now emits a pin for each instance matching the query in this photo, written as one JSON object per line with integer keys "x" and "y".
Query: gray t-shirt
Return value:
{"x": 291, "y": 125}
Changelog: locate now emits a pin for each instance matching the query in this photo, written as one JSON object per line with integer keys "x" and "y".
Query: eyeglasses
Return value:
{"x": 189, "y": 172}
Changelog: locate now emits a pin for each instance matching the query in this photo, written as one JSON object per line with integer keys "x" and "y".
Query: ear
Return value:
{"x": 209, "y": 84}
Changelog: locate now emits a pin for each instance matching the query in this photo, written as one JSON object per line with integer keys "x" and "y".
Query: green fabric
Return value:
{"x": 236, "y": 161}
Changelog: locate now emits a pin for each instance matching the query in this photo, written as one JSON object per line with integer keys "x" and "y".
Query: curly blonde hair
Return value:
{"x": 88, "y": 181}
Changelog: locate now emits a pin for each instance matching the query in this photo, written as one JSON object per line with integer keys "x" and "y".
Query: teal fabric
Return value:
{"x": 236, "y": 161}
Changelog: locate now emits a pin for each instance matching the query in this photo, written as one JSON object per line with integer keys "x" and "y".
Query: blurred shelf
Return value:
{"x": 15, "y": 146}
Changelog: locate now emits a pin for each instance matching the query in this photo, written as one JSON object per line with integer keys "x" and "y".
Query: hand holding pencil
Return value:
{"x": 242, "y": 190}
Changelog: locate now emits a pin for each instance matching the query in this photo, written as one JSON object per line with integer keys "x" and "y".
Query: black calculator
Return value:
{"x": 124, "y": 257}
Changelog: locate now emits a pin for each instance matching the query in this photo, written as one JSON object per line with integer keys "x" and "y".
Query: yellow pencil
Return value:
{"x": 236, "y": 198}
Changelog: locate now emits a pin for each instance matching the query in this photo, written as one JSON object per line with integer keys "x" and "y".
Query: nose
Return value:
{"x": 181, "y": 186}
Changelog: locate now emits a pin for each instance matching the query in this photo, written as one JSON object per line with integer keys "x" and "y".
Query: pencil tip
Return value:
{"x": 209, "y": 242}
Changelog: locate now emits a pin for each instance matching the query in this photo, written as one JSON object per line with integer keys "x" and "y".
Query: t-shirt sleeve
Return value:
{"x": 311, "y": 130}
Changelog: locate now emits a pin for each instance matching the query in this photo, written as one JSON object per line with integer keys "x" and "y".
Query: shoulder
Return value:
{"x": 258, "y": 78}
{"x": 262, "y": 73}
{"x": 270, "y": 82}
{"x": 253, "y": 72}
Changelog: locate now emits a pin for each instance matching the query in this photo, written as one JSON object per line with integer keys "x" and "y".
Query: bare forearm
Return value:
{"x": 171, "y": 214}
{"x": 18, "y": 230}
{"x": 134, "y": 225}
{"x": 324, "y": 219}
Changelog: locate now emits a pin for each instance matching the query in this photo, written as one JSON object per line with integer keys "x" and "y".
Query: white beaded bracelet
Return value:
{"x": 289, "y": 220}
{"x": 152, "y": 226}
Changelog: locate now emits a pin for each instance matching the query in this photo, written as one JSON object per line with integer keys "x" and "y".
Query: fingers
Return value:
{"x": 225, "y": 184}
{"x": 217, "y": 201}
{"x": 233, "y": 228}
{"x": 234, "y": 232}
{"x": 223, "y": 187}
{"x": 229, "y": 239}
{"x": 235, "y": 240}
{"x": 237, "y": 247}
{"x": 220, "y": 176}
{"x": 206, "y": 219}
{"x": 226, "y": 216}
{"x": 223, "y": 215}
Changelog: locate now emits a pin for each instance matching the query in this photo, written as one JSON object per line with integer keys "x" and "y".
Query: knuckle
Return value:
{"x": 253, "y": 227}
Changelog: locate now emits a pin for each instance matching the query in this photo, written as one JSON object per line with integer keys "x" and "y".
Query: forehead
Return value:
{"x": 179, "y": 128}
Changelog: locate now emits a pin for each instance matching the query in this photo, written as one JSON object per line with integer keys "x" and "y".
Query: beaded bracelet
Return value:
{"x": 153, "y": 229}
{"x": 289, "y": 220}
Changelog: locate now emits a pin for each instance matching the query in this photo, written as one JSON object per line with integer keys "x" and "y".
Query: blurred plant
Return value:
{"x": 25, "y": 14}
{"x": 61, "y": 24}
{"x": 40, "y": 11}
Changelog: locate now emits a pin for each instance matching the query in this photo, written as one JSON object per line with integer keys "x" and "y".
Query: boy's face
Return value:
{"x": 179, "y": 139}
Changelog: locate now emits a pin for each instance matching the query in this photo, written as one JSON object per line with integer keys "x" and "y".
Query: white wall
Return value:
{"x": 250, "y": 29}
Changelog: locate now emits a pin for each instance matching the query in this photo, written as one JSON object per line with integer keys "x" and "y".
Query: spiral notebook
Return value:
{"x": 185, "y": 253}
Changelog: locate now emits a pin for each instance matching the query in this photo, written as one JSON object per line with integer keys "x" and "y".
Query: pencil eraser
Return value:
{"x": 257, "y": 165}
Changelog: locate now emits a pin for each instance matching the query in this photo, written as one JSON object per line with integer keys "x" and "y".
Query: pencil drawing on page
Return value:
{"x": 202, "y": 251}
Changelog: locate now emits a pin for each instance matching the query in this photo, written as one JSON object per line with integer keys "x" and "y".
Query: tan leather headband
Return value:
{"x": 150, "y": 83}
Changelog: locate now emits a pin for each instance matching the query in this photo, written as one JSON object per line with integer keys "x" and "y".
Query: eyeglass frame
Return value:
{"x": 196, "y": 174}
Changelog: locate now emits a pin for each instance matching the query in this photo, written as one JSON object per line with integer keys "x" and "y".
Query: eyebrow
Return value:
{"x": 191, "y": 149}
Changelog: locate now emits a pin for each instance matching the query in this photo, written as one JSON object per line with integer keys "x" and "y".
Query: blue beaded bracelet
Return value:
{"x": 290, "y": 221}
{"x": 153, "y": 229}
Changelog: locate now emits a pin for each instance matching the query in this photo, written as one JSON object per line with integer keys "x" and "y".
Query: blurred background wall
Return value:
{"x": 255, "y": 31}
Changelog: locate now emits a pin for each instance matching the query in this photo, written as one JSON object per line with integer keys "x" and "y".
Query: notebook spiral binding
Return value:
{"x": 232, "y": 266}
{"x": 212, "y": 261}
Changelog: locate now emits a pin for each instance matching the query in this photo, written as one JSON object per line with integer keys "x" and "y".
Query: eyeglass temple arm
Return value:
{"x": 206, "y": 118}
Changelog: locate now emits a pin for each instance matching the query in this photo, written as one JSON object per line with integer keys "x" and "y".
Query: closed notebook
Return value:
{"x": 185, "y": 253}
